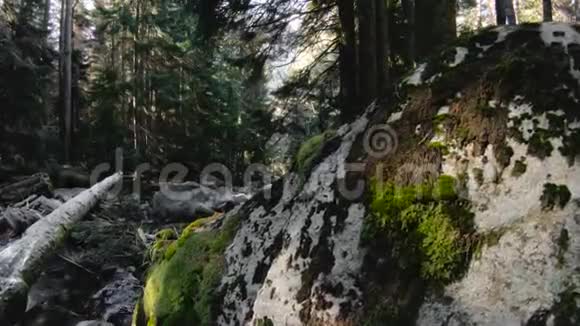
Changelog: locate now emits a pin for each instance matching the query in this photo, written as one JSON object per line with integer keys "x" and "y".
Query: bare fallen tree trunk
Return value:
{"x": 21, "y": 261}
{"x": 36, "y": 184}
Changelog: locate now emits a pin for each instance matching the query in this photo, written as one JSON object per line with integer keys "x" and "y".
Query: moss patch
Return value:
{"x": 566, "y": 310}
{"x": 539, "y": 145}
{"x": 478, "y": 175}
{"x": 563, "y": 243}
{"x": 519, "y": 168}
{"x": 310, "y": 150}
{"x": 181, "y": 289}
{"x": 417, "y": 235}
{"x": 427, "y": 219}
{"x": 555, "y": 195}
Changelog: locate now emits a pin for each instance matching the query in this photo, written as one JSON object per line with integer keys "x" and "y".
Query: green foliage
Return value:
{"x": 193, "y": 94}
{"x": 427, "y": 221}
{"x": 555, "y": 195}
{"x": 310, "y": 150}
{"x": 443, "y": 148}
{"x": 182, "y": 288}
{"x": 25, "y": 65}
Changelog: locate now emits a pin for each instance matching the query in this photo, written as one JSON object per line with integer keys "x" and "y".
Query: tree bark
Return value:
{"x": 347, "y": 59}
{"x": 68, "y": 81}
{"x": 510, "y": 13}
{"x": 435, "y": 25}
{"x": 500, "y": 14}
{"x": 367, "y": 51}
{"x": 21, "y": 261}
{"x": 410, "y": 12}
{"x": 547, "y": 10}
{"x": 383, "y": 46}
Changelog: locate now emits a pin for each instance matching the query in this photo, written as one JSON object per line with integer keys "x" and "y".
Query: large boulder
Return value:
{"x": 468, "y": 215}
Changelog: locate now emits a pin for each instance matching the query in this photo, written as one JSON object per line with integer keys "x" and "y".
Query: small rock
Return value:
{"x": 94, "y": 323}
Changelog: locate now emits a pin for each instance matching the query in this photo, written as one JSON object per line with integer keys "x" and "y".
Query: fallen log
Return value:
{"x": 21, "y": 261}
{"x": 36, "y": 184}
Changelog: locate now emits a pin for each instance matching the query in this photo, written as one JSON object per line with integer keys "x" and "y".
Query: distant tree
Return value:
{"x": 67, "y": 78}
{"x": 505, "y": 12}
{"x": 547, "y": 10}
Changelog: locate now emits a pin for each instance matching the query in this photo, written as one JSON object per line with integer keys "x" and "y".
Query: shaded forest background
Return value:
{"x": 212, "y": 80}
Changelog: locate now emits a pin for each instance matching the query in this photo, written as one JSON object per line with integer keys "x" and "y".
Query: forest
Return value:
{"x": 180, "y": 162}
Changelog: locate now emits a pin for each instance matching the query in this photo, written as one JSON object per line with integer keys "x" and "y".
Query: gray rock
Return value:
{"x": 115, "y": 302}
{"x": 189, "y": 200}
{"x": 94, "y": 323}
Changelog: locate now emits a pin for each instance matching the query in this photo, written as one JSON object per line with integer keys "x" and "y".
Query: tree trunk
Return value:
{"x": 510, "y": 13}
{"x": 576, "y": 11}
{"x": 435, "y": 25}
{"x": 367, "y": 51}
{"x": 21, "y": 261}
{"x": 410, "y": 12}
{"x": 68, "y": 81}
{"x": 383, "y": 47}
{"x": 46, "y": 20}
{"x": 500, "y": 14}
{"x": 547, "y": 9}
{"x": 347, "y": 59}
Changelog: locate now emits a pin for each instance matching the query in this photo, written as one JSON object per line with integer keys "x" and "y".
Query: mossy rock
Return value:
{"x": 181, "y": 289}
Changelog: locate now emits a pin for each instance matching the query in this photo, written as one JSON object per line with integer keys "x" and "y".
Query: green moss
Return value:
{"x": 182, "y": 289}
{"x": 488, "y": 239}
{"x": 166, "y": 234}
{"x": 311, "y": 149}
{"x": 539, "y": 145}
{"x": 563, "y": 243}
{"x": 264, "y": 322}
{"x": 566, "y": 310}
{"x": 439, "y": 146}
{"x": 555, "y": 195}
{"x": 571, "y": 146}
{"x": 503, "y": 154}
{"x": 478, "y": 175}
{"x": 519, "y": 168}
{"x": 426, "y": 220}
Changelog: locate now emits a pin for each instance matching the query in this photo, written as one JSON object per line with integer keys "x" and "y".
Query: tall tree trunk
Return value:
{"x": 383, "y": 46}
{"x": 500, "y": 14}
{"x": 435, "y": 25}
{"x": 46, "y": 20}
{"x": 510, "y": 13}
{"x": 367, "y": 51}
{"x": 68, "y": 81}
{"x": 61, "y": 60}
{"x": 576, "y": 11}
{"x": 347, "y": 59}
{"x": 547, "y": 9}
{"x": 479, "y": 14}
{"x": 410, "y": 13}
